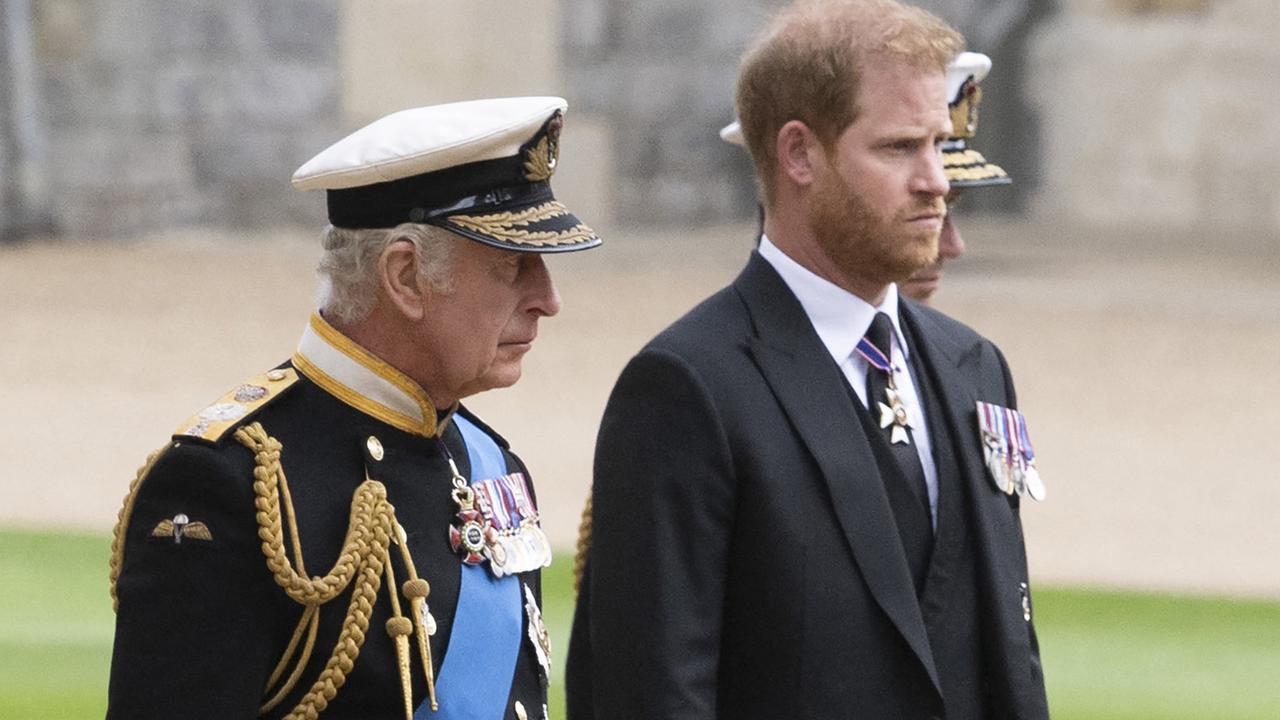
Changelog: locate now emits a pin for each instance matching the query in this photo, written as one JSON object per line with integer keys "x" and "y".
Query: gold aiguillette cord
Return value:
{"x": 417, "y": 589}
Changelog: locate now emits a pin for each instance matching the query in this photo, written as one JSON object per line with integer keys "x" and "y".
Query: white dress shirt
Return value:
{"x": 841, "y": 319}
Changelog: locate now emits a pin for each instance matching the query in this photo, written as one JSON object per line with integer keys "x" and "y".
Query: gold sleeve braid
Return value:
{"x": 371, "y": 529}
{"x": 584, "y": 544}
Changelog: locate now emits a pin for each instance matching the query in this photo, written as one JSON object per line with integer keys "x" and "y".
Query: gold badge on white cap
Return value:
{"x": 964, "y": 166}
{"x": 479, "y": 168}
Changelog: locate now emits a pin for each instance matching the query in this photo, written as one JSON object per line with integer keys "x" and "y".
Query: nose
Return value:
{"x": 543, "y": 298}
{"x": 930, "y": 178}
{"x": 950, "y": 243}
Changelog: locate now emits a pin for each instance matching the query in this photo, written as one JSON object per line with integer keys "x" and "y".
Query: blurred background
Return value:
{"x": 153, "y": 254}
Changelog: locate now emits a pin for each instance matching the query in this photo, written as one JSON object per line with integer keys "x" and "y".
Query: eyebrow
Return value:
{"x": 914, "y": 134}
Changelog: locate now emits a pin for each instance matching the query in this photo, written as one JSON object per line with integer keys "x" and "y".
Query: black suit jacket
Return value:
{"x": 744, "y": 560}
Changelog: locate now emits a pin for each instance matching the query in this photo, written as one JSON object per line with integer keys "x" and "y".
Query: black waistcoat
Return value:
{"x": 951, "y": 603}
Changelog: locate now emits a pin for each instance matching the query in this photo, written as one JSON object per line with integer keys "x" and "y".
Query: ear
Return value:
{"x": 798, "y": 152}
{"x": 401, "y": 282}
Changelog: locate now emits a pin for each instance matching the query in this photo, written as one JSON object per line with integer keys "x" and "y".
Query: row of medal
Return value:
{"x": 502, "y": 527}
{"x": 1007, "y": 449}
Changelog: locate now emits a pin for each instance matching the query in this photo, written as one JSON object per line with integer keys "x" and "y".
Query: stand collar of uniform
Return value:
{"x": 364, "y": 381}
{"x": 839, "y": 317}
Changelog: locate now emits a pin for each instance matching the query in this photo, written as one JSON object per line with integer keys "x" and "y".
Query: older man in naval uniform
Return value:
{"x": 807, "y": 490}
{"x": 338, "y": 537}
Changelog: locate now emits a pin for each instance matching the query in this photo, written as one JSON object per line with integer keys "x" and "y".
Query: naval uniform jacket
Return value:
{"x": 744, "y": 560}
{"x": 202, "y": 623}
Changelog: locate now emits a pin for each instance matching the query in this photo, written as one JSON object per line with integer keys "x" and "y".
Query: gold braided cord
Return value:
{"x": 584, "y": 544}
{"x": 396, "y": 628}
{"x": 122, "y": 523}
{"x": 310, "y": 619}
{"x": 266, "y": 474}
{"x": 362, "y": 560}
{"x": 292, "y": 517}
{"x": 356, "y": 624}
{"x": 310, "y": 622}
{"x": 417, "y": 591}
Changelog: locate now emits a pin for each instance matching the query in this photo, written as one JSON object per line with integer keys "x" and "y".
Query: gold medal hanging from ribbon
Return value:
{"x": 468, "y": 530}
{"x": 893, "y": 412}
{"x": 497, "y": 521}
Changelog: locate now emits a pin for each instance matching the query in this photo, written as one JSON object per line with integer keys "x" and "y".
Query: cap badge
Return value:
{"x": 540, "y": 159}
{"x": 964, "y": 111}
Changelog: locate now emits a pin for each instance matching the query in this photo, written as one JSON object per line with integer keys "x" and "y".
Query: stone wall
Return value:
{"x": 158, "y": 113}
{"x": 476, "y": 49}
{"x": 1162, "y": 114}
{"x": 153, "y": 114}
{"x": 24, "y": 196}
{"x": 661, "y": 75}
{"x": 150, "y": 114}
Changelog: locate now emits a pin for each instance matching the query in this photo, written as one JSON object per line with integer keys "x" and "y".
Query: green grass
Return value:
{"x": 1114, "y": 656}
{"x": 55, "y": 626}
{"x": 1108, "y": 655}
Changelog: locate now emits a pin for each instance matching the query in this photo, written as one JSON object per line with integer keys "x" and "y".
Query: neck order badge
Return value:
{"x": 874, "y": 348}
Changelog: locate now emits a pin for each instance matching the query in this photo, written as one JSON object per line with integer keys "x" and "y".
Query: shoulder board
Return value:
{"x": 229, "y": 411}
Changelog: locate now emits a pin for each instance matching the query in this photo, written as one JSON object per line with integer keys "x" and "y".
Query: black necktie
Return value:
{"x": 907, "y": 491}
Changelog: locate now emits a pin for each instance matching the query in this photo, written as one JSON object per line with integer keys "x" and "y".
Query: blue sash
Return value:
{"x": 475, "y": 680}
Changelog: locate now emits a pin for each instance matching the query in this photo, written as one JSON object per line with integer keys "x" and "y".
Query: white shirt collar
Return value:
{"x": 364, "y": 381}
{"x": 839, "y": 317}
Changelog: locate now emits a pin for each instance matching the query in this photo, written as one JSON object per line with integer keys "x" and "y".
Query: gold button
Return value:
{"x": 375, "y": 447}
{"x": 275, "y": 375}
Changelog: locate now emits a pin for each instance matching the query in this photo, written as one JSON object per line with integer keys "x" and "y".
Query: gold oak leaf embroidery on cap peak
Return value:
{"x": 512, "y": 226}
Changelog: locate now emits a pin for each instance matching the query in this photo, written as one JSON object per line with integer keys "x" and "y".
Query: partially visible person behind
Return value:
{"x": 965, "y": 167}
{"x": 337, "y": 536}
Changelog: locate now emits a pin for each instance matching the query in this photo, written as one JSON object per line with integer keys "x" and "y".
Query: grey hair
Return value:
{"x": 349, "y": 266}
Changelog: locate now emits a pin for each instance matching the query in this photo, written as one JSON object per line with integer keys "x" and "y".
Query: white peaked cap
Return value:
{"x": 964, "y": 66}
{"x": 480, "y": 168}
{"x": 426, "y": 139}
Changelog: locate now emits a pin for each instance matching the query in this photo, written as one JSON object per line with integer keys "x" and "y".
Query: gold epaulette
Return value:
{"x": 233, "y": 408}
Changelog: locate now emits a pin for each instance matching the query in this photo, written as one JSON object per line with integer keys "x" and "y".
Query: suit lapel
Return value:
{"x": 996, "y": 532}
{"x": 811, "y": 390}
{"x": 948, "y": 365}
